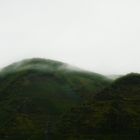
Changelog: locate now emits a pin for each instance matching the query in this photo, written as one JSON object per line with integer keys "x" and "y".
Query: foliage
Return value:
{"x": 113, "y": 113}
{"x": 35, "y": 93}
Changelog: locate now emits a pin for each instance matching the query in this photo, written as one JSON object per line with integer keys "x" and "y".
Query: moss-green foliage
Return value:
{"x": 43, "y": 99}
{"x": 35, "y": 93}
{"x": 114, "y": 113}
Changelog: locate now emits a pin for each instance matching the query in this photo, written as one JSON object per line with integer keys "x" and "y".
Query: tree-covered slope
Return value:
{"x": 114, "y": 113}
{"x": 34, "y": 92}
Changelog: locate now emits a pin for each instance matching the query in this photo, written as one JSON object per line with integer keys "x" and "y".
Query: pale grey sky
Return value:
{"x": 99, "y": 35}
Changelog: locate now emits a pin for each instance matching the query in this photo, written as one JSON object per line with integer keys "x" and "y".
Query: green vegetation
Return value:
{"x": 35, "y": 93}
{"x": 49, "y": 100}
{"x": 114, "y": 113}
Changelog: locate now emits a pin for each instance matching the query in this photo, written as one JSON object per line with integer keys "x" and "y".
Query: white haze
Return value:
{"x": 98, "y": 35}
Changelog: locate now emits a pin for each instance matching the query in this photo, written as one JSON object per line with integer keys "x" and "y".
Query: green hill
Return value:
{"x": 35, "y": 92}
{"x": 113, "y": 114}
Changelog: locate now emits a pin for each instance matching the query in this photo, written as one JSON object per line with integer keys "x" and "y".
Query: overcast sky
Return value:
{"x": 99, "y": 35}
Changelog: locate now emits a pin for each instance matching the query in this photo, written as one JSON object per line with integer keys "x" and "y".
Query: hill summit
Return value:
{"x": 37, "y": 64}
{"x": 35, "y": 92}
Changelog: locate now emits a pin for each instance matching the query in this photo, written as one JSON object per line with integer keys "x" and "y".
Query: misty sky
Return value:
{"x": 98, "y": 35}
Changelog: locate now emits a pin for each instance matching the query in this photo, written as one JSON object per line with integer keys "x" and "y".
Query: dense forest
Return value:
{"x": 50, "y": 100}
